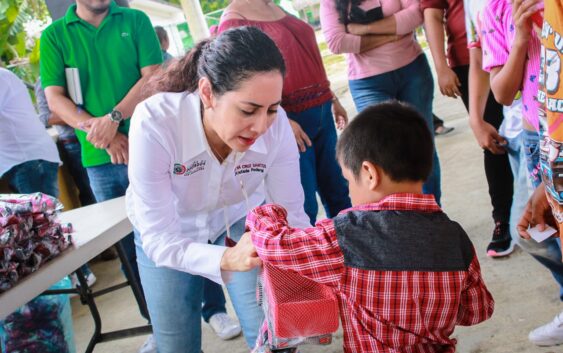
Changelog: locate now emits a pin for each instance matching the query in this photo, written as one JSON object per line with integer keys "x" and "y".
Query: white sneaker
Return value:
{"x": 149, "y": 346}
{"x": 224, "y": 326}
{"x": 550, "y": 334}
{"x": 90, "y": 279}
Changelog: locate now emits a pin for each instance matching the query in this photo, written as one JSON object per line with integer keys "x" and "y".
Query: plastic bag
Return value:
{"x": 42, "y": 325}
{"x": 297, "y": 311}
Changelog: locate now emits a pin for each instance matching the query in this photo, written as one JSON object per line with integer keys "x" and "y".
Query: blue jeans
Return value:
{"x": 109, "y": 181}
{"x": 72, "y": 158}
{"x": 213, "y": 300}
{"x": 319, "y": 168}
{"x": 548, "y": 252}
{"x": 413, "y": 84}
{"x": 174, "y": 301}
{"x": 34, "y": 176}
{"x": 531, "y": 141}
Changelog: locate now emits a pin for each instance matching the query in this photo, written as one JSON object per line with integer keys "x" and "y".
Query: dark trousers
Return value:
{"x": 497, "y": 167}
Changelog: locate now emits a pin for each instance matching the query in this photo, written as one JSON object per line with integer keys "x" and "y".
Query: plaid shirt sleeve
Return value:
{"x": 312, "y": 252}
{"x": 477, "y": 303}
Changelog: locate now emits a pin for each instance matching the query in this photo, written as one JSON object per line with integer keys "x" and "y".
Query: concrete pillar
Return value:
{"x": 196, "y": 20}
{"x": 57, "y": 8}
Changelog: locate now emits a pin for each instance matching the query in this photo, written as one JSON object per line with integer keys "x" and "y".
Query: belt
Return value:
{"x": 68, "y": 140}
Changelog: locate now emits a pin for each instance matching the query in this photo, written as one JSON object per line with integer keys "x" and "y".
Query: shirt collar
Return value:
{"x": 401, "y": 202}
{"x": 71, "y": 16}
{"x": 195, "y": 143}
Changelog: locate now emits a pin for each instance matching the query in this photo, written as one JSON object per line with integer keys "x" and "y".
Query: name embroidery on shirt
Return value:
{"x": 186, "y": 170}
{"x": 250, "y": 168}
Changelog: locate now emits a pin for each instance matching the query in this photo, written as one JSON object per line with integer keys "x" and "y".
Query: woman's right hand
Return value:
{"x": 242, "y": 257}
{"x": 300, "y": 136}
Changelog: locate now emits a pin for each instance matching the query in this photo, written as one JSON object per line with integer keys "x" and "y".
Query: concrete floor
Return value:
{"x": 525, "y": 293}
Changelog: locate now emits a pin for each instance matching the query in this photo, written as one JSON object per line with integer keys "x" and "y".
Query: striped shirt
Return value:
{"x": 498, "y": 34}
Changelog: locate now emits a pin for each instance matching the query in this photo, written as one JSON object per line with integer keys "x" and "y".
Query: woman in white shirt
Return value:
{"x": 213, "y": 144}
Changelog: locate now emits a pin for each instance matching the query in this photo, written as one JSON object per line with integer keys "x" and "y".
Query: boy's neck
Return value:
{"x": 392, "y": 187}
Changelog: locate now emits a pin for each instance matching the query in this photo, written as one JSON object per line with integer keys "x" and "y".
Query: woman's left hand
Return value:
{"x": 357, "y": 29}
{"x": 242, "y": 257}
{"x": 340, "y": 114}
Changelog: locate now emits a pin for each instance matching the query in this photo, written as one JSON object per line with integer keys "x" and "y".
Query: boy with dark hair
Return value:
{"x": 404, "y": 273}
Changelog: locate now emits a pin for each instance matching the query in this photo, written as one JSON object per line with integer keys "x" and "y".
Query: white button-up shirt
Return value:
{"x": 23, "y": 137}
{"x": 180, "y": 196}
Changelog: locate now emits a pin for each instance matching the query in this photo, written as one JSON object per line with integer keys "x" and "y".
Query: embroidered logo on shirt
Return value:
{"x": 186, "y": 170}
{"x": 250, "y": 168}
{"x": 125, "y": 34}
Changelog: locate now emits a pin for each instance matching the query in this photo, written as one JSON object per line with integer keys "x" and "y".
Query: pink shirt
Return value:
{"x": 388, "y": 57}
{"x": 497, "y": 36}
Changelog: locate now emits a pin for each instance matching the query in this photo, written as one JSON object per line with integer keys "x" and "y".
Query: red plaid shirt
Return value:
{"x": 381, "y": 311}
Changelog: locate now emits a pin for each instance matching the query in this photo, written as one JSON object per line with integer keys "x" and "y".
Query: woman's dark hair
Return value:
{"x": 343, "y": 8}
{"x": 391, "y": 135}
{"x": 226, "y": 60}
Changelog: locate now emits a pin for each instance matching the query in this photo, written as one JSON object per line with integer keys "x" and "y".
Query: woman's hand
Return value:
{"x": 357, "y": 29}
{"x": 300, "y": 136}
{"x": 242, "y": 257}
{"x": 340, "y": 114}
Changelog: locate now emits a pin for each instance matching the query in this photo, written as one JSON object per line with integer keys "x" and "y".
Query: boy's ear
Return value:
{"x": 205, "y": 92}
{"x": 371, "y": 175}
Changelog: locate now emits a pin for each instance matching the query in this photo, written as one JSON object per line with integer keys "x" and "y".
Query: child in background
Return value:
{"x": 511, "y": 49}
{"x": 405, "y": 274}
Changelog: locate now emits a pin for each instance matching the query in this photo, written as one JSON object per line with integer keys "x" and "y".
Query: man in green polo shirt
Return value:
{"x": 114, "y": 50}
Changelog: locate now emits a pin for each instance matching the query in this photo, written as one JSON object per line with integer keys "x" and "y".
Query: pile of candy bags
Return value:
{"x": 30, "y": 235}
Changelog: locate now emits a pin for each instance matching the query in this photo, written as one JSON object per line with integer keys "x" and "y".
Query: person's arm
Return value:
{"x": 402, "y": 22}
{"x": 485, "y": 134}
{"x": 503, "y": 82}
{"x": 65, "y": 108}
{"x": 312, "y": 252}
{"x": 434, "y": 27}
{"x": 476, "y": 304}
{"x": 102, "y": 130}
{"x": 282, "y": 181}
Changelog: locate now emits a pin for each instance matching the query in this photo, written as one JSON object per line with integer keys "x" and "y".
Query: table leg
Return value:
{"x": 135, "y": 286}
{"x": 87, "y": 298}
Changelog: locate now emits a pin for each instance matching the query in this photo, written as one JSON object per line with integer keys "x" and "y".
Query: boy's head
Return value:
{"x": 386, "y": 149}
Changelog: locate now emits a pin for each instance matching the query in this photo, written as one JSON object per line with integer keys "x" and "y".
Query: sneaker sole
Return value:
{"x": 493, "y": 254}
{"x": 229, "y": 336}
{"x": 547, "y": 343}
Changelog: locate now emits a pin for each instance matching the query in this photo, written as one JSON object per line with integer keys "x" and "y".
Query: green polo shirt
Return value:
{"x": 109, "y": 60}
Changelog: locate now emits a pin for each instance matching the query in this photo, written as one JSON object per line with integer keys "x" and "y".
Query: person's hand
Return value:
{"x": 300, "y": 136}
{"x": 522, "y": 10}
{"x": 357, "y": 29}
{"x": 101, "y": 131}
{"x": 449, "y": 82}
{"x": 242, "y": 257}
{"x": 340, "y": 114}
{"x": 488, "y": 137}
{"x": 118, "y": 149}
{"x": 537, "y": 212}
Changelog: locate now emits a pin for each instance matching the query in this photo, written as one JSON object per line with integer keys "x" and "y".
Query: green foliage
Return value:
{"x": 207, "y": 5}
{"x": 15, "y": 45}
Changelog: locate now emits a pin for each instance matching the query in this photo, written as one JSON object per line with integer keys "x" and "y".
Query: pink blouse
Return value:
{"x": 498, "y": 34}
{"x": 388, "y": 57}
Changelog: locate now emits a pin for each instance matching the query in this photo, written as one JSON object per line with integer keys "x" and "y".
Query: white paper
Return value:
{"x": 540, "y": 236}
{"x": 73, "y": 85}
